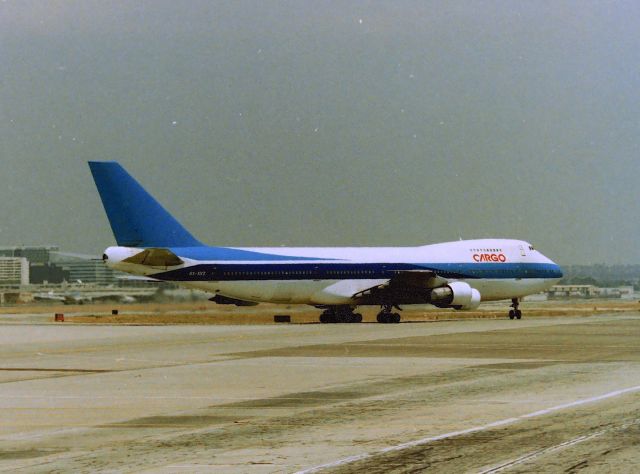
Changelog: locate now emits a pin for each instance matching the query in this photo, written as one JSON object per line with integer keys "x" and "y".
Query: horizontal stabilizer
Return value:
{"x": 137, "y": 278}
{"x": 155, "y": 258}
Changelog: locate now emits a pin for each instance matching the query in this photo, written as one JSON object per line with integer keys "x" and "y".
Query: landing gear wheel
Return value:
{"x": 348, "y": 318}
{"x": 326, "y": 318}
{"x": 386, "y": 316}
{"x": 339, "y": 315}
{"x": 515, "y": 313}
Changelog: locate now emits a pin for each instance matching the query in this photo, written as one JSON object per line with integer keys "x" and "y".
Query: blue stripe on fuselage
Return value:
{"x": 230, "y": 254}
{"x": 354, "y": 271}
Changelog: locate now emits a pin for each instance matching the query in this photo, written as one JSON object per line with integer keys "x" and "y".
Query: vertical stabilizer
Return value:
{"x": 136, "y": 218}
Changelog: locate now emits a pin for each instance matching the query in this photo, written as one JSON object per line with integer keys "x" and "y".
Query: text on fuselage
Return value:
{"x": 489, "y": 257}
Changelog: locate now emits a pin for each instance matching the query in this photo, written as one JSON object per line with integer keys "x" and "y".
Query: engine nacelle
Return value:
{"x": 473, "y": 303}
{"x": 458, "y": 295}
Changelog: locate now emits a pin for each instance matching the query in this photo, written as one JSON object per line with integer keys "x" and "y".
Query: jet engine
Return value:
{"x": 458, "y": 295}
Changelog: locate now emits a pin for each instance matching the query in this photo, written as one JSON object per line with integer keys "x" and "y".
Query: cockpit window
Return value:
{"x": 531, "y": 247}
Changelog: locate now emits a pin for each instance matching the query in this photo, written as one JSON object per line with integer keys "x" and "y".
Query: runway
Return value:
{"x": 540, "y": 394}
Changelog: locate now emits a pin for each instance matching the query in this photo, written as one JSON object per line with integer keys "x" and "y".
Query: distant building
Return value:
{"x": 39, "y": 260}
{"x": 46, "y": 264}
{"x": 34, "y": 254}
{"x": 573, "y": 291}
{"x": 588, "y": 291}
{"x": 625, "y": 292}
{"x": 89, "y": 271}
{"x": 14, "y": 271}
{"x": 50, "y": 273}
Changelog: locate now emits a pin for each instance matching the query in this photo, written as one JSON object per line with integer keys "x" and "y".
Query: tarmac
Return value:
{"x": 547, "y": 394}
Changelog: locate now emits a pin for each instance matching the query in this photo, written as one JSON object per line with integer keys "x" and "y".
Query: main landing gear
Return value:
{"x": 340, "y": 314}
{"x": 515, "y": 313}
{"x": 345, "y": 314}
{"x": 387, "y": 316}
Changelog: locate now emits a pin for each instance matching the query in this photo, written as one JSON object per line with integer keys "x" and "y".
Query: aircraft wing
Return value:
{"x": 48, "y": 297}
{"x": 417, "y": 279}
{"x": 66, "y": 298}
{"x": 221, "y": 299}
{"x": 403, "y": 285}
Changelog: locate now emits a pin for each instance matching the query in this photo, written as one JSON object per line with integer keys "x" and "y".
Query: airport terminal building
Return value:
{"x": 24, "y": 266}
{"x": 36, "y": 265}
{"x": 14, "y": 271}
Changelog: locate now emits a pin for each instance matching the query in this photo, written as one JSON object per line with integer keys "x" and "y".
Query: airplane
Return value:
{"x": 461, "y": 274}
{"x": 79, "y": 298}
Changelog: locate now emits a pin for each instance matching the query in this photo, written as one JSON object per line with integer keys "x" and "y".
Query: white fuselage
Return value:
{"x": 497, "y": 268}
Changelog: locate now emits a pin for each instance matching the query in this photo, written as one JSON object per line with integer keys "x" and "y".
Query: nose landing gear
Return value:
{"x": 515, "y": 313}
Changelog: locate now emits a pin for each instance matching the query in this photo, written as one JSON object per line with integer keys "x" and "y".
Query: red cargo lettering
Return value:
{"x": 489, "y": 257}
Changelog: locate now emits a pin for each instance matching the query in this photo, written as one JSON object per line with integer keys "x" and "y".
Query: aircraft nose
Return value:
{"x": 554, "y": 270}
{"x": 557, "y": 271}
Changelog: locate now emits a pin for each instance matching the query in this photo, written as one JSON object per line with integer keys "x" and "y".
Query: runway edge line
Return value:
{"x": 453, "y": 434}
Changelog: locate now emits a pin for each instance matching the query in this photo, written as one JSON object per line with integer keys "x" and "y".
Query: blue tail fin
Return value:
{"x": 136, "y": 218}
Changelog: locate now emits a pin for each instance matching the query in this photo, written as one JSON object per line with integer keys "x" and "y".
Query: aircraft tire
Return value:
{"x": 357, "y": 318}
{"x": 384, "y": 318}
{"x": 326, "y": 318}
{"x": 512, "y": 314}
{"x": 518, "y": 314}
{"x": 395, "y": 318}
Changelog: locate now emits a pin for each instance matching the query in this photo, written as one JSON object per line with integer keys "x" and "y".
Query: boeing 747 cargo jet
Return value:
{"x": 461, "y": 274}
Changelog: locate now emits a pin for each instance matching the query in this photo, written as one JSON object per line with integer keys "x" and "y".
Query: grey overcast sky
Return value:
{"x": 307, "y": 123}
